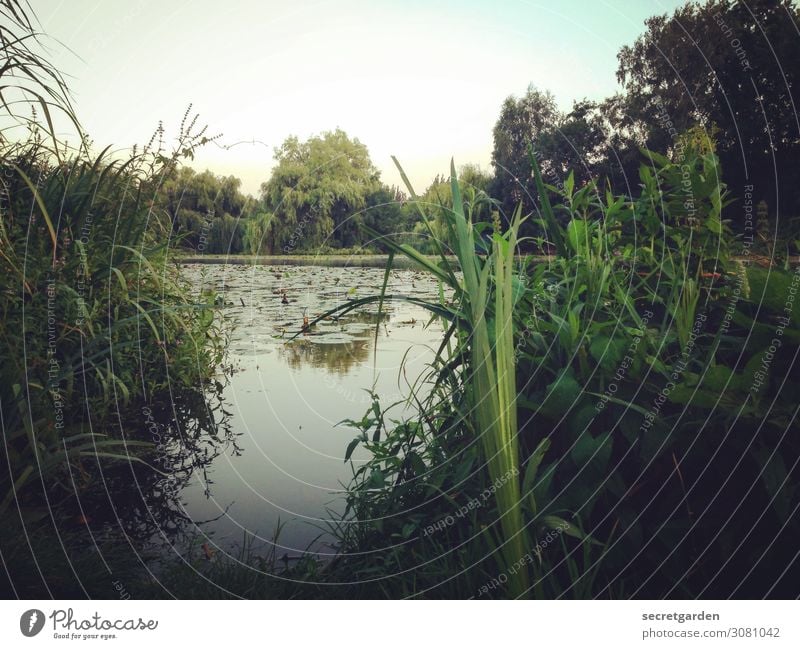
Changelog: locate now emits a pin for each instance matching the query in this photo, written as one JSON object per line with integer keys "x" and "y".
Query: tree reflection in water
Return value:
{"x": 334, "y": 346}
{"x": 118, "y": 519}
{"x": 142, "y": 499}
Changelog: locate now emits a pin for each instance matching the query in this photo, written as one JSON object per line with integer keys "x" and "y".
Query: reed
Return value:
{"x": 95, "y": 317}
{"x": 480, "y": 319}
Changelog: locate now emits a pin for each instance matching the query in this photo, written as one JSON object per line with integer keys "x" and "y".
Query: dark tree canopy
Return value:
{"x": 733, "y": 65}
{"x": 206, "y": 210}
{"x": 521, "y": 120}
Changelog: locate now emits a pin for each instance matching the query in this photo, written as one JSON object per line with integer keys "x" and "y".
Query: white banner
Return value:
{"x": 333, "y": 624}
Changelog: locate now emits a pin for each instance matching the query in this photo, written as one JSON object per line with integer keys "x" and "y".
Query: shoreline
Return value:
{"x": 366, "y": 261}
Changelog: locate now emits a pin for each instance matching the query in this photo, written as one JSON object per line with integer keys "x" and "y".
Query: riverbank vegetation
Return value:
{"x": 97, "y": 323}
{"x": 607, "y": 423}
{"x": 615, "y": 419}
{"x": 309, "y": 204}
{"x": 648, "y": 422}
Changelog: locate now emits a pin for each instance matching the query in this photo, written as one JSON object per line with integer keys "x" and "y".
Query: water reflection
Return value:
{"x": 284, "y": 462}
{"x": 262, "y": 445}
{"x": 142, "y": 499}
{"x": 336, "y": 358}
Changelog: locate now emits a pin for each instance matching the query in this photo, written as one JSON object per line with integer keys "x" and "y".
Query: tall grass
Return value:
{"x": 95, "y": 318}
{"x": 481, "y": 319}
{"x": 493, "y": 377}
{"x": 636, "y": 353}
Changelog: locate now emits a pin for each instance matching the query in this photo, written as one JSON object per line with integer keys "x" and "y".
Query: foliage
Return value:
{"x": 258, "y": 238}
{"x": 641, "y": 367}
{"x": 715, "y": 66}
{"x": 473, "y": 185}
{"x": 27, "y": 79}
{"x": 208, "y": 212}
{"x": 94, "y": 317}
{"x": 720, "y": 63}
{"x": 317, "y": 191}
{"x": 520, "y": 121}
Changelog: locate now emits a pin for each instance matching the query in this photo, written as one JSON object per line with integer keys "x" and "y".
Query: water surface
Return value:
{"x": 286, "y": 398}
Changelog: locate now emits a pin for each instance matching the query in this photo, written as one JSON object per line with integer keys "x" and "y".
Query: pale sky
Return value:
{"x": 422, "y": 80}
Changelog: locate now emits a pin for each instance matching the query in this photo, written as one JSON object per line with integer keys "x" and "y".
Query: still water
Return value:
{"x": 283, "y": 461}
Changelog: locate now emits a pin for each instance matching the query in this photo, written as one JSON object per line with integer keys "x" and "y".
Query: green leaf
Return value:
{"x": 769, "y": 287}
{"x": 554, "y": 229}
{"x": 416, "y": 463}
{"x": 698, "y": 397}
{"x": 38, "y": 198}
{"x": 608, "y": 352}
{"x": 657, "y": 159}
{"x": 589, "y": 450}
{"x": 577, "y": 235}
{"x": 719, "y": 378}
{"x": 713, "y": 224}
{"x": 562, "y": 394}
{"x": 560, "y": 525}
{"x": 376, "y": 479}
{"x": 532, "y": 469}
{"x": 569, "y": 184}
{"x": 350, "y": 448}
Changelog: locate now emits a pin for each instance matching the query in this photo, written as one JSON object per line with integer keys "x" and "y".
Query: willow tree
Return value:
{"x": 317, "y": 191}
{"x": 206, "y": 210}
{"x": 259, "y": 234}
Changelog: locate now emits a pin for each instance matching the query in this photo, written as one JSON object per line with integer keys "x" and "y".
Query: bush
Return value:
{"x": 95, "y": 319}
{"x": 655, "y": 422}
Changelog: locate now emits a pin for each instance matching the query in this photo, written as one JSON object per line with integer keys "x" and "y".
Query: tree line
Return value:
{"x": 716, "y": 71}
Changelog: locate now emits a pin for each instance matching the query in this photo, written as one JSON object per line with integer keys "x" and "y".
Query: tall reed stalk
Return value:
{"x": 495, "y": 406}
{"x": 481, "y": 313}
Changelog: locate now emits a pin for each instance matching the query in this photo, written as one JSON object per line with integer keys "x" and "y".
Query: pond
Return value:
{"x": 283, "y": 461}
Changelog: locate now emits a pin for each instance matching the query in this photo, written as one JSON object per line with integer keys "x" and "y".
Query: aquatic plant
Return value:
{"x": 639, "y": 341}
{"x": 95, "y": 316}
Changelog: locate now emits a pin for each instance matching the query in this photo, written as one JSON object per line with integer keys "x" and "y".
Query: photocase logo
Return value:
{"x": 31, "y": 622}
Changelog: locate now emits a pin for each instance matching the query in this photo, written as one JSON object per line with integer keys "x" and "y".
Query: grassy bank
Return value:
{"x": 653, "y": 415}
{"x": 98, "y": 329}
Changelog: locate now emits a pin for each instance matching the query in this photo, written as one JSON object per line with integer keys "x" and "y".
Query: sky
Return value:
{"x": 423, "y": 80}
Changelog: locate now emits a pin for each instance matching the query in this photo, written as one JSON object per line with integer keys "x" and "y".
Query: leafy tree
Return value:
{"x": 226, "y": 236}
{"x": 471, "y": 175}
{"x": 576, "y": 142}
{"x": 388, "y": 211}
{"x": 205, "y": 210}
{"x": 521, "y": 121}
{"x": 259, "y": 234}
{"x": 729, "y": 63}
{"x": 474, "y": 185}
{"x": 318, "y": 190}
